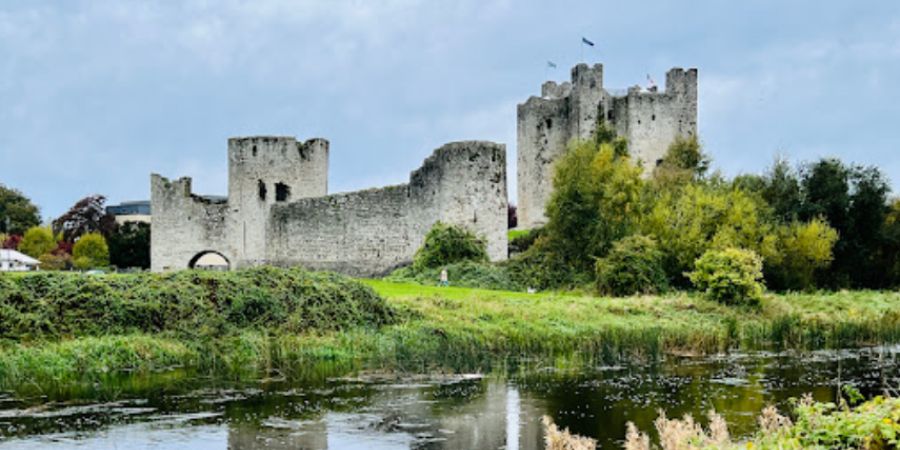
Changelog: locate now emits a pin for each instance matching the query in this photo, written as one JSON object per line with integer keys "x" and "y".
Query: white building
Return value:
{"x": 13, "y": 261}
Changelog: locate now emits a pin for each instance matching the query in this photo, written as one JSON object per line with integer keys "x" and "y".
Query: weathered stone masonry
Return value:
{"x": 650, "y": 121}
{"x": 277, "y": 212}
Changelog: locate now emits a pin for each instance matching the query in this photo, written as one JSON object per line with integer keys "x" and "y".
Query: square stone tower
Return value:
{"x": 648, "y": 120}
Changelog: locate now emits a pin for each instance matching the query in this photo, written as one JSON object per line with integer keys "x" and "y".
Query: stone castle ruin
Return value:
{"x": 647, "y": 119}
{"x": 278, "y": 210}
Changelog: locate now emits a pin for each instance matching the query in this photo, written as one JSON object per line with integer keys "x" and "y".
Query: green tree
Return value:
{"x": 732, "y": 276}
{"x": 889, "y": 253}
{"x": 595, "y": 202}
{"x": 88, "y": 215}
{"x": 826, "y": 192}
{"x": 804, "y": 249}
{"x": 447, "y": 244}
{"x": 633, "y": 266}
{"x": 17, "y": 213}
{"x": 684, "y": 162}
{"x": 129, "y": 245}
{"x": 689, "y": 221}
{"x": 782, "y": 191}
{"x": 854, "y": 202}
{"x": 866, "y": 235}
{"x": 37, "y": 241}
{"x": 90, "y": 251}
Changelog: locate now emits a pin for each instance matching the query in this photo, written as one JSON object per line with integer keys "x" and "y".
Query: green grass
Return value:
{"x": 512, "y": 234}
{"x": 472, "y": 329}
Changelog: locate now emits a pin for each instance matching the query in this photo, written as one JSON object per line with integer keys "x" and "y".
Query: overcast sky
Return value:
{"x": 96, "y": 95}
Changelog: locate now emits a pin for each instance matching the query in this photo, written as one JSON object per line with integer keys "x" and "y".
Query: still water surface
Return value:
{"x": 471, "y": 412}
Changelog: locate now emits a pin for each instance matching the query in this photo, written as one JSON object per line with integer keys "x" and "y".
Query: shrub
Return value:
{"x": 522, "y": 240}
{"x": 56, "y": 261}
{"x": 187, "y": 303}
{"x": 731, "y": 276}
{"x": 447, "y": 244}
{"x": 689, "y": 221}
{"x": 90, "y": 251}
{"x": 633, "y": 266}
{"x": 804, "y": 248}
{"x": 129, "y": 245}
{"x": 543, "y": 267}
{"x": 11, "y": 242}
{"x": 37, "y": 241}
{"x": 464, "y": 274}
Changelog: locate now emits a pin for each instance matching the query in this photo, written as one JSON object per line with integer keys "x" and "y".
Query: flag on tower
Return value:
{"x": 585, "y": 40}
{"x": 551, "y": 64}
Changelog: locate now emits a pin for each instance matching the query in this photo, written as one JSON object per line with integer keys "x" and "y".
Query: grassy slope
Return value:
{"x": 681, "y": 322}
{"x": 465, "y": 329}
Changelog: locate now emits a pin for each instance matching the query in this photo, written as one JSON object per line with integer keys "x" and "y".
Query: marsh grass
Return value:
{"x": 459, "y": 329}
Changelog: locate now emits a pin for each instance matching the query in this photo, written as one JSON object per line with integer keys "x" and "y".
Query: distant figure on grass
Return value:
{"x": 444, "y": 279}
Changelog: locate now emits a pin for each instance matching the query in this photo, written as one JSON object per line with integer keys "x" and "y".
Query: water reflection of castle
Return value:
{"x": 499, "y": 416}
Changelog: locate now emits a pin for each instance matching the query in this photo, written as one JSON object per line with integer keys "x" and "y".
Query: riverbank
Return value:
{"x": 459, "y": 329}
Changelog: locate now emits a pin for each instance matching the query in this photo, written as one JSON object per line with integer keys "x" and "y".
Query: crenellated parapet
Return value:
{"x": 277, "y": 210}
{"x": 648, "y": 119}
{"x": 373, "y": 231}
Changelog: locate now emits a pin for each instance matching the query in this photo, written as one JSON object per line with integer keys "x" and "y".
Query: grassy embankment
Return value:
{"x": 272, "y": 321}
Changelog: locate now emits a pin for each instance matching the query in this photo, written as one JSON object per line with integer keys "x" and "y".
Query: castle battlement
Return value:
{"x": 278, "y": 210}
{"x": 648, "y": 120}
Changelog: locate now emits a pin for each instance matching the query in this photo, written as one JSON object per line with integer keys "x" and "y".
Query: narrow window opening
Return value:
{"x": 653, "y": 117}
{"x": 262, "y": 189}
{"x": 254, "y": 150}
{"x": 282, "y": 192}
{"x": 609, "y": 115}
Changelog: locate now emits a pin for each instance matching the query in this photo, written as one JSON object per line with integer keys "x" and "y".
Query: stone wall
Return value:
{"x": 650, "y": 121}
{"x": 360, "y": 233}
{"x": 185, "y": 225}
{"x": 259, "y": 169}
{"x": 370, "y": 232}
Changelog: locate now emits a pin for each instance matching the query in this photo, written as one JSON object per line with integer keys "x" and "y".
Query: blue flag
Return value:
{"x": 586, "y": 41}
{"x": 551, "y": 64}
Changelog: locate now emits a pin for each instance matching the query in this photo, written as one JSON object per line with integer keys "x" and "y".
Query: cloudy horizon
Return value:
{"x": 98, "y": 95}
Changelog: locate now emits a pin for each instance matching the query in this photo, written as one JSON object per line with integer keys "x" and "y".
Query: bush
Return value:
{"x": 129, "y": 245}
{"x": 90, "y": 252}
{"x": 542, "y": 267}
{"x": 633, "y": 266}
{"x": 56, "y": 261}
{"x": 186, "y": 303}
{"x": 698, "y": 217}
{"x": 448, "y": 244}
{"x": 730, "y": 276}
{"x": 804, "y": 249}
{"x": 463, "y": 274}
{"x": 522, "y": 240}
{"x": 37, "y": 241}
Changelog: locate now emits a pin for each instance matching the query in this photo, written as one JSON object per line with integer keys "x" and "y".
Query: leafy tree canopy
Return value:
{"x": 88, "y": 215}
{"x": 17, "y": 213}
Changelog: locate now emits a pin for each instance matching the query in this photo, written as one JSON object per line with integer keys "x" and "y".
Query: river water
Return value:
{"x": 436, "y": 411}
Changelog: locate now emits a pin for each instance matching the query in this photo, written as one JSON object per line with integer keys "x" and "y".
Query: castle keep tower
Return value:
{"x": 649, "y": 120}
